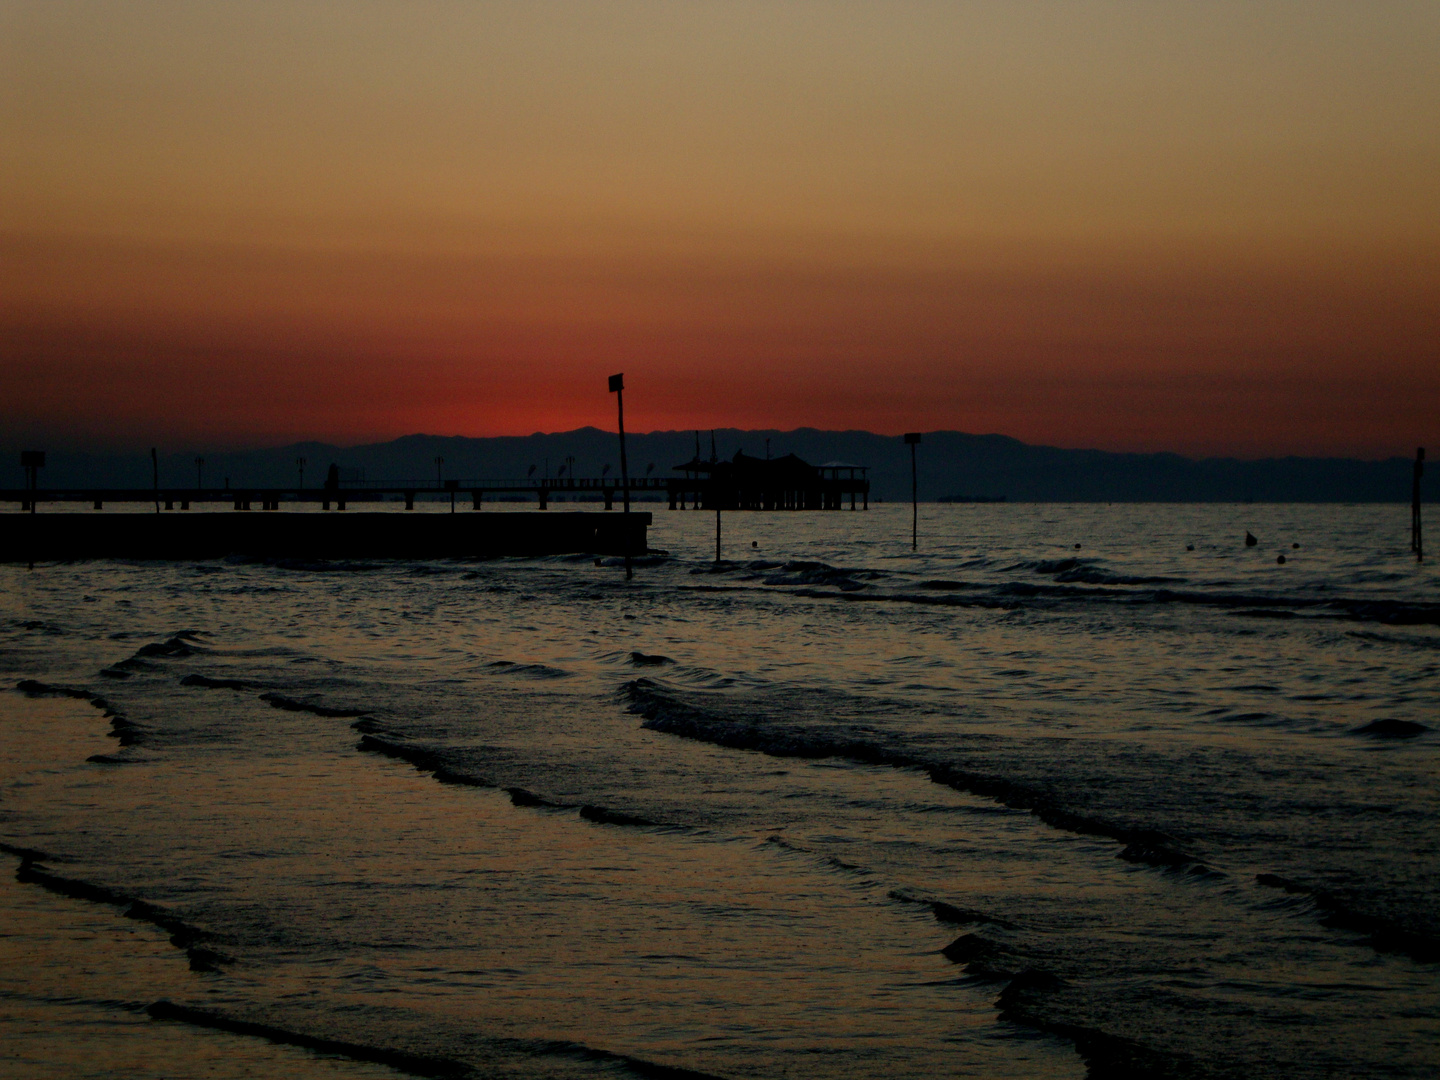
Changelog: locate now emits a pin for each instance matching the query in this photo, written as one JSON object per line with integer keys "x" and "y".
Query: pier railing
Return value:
{"x": 269, "y": 497}
{"x": 827, "y": 493}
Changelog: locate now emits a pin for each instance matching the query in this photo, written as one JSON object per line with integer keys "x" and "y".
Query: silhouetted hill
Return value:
{"x": 951, "y": 463}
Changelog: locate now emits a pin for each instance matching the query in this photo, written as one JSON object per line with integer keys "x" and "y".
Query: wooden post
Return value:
{"x": 912, "y": 439}
{"x": 1417, "y": 540}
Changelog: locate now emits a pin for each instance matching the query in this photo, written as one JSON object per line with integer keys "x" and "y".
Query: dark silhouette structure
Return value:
{"x": 617, "y": 387}
{"x": 32, "y": 461}
{"x": 339, "y": 488}
{"x": 32, "y": 538}
{"x": 912, "y": 440}
{"x": 783, "y": 483}
{"x": 1417, "y": 541}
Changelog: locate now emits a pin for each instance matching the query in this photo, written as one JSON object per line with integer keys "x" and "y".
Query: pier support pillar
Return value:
{"x": 544, "y": 499}
{"x": 184, "y": 504}
{"x": 475, "y": 499}
{"x": 409, "y": 500}
{"x": 340, "y": 505}
{"x": 325, "y": 505}
{"x": 609, "y": 498}
{"x": 169, "y": 504}
{"x": 98, "y": 504}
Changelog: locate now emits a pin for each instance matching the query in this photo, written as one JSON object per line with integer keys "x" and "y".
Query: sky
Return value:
{"x": 1208, "y": 228}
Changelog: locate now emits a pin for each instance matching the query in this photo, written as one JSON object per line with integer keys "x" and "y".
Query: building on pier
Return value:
{"x": 785, "y": 483}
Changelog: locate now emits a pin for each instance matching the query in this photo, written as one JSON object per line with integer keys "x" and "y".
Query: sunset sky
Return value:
{"x": 1211, "y": 228}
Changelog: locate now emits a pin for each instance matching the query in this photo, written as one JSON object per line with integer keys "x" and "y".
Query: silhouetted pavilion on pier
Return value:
{"x": 784, "y": 483}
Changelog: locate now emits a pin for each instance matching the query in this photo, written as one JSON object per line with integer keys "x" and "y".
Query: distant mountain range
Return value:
{"x": 951, "y": 464}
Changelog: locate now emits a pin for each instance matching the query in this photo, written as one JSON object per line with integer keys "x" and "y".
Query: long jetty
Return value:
{"x": 741, "y": 484}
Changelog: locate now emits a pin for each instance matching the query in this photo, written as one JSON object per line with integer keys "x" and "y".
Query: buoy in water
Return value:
{"x": 1295, "y": 545}
{"x": 1077, "y": 547}
{"x": 1250, "y": 541}
{"x": 1280, "y": 559}
{"x": 1189, "y": 547}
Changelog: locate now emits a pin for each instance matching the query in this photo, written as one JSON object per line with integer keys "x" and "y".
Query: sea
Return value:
{"x": 1061, "y": 791}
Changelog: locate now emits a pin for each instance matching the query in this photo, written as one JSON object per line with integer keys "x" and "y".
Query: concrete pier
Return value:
{"x": 62, "y": 537}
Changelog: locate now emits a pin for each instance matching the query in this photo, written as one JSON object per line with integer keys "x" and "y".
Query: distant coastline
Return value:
{"x": 951, "y": 463}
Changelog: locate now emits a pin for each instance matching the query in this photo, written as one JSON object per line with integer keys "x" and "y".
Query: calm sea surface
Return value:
{"x": 1057, "y": 795}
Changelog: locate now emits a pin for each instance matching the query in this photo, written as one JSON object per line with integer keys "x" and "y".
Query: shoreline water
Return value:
{"x": 1022, "y": 811}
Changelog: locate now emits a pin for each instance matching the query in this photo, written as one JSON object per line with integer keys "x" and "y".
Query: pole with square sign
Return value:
{"x": 617, "y": 387}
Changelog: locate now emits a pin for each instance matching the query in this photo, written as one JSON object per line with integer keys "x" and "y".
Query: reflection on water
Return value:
{"x": 1005, "y": 807}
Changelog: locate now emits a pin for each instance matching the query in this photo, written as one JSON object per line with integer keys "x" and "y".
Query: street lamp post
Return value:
{"x": 912, "y": 440}
{"x": 617, "y": 387}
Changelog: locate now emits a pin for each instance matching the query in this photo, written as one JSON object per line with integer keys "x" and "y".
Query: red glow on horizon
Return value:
{"x": 128, "y": 344}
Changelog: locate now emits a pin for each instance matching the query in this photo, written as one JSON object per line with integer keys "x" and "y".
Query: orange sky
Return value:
{"x": 1212, "y": 228}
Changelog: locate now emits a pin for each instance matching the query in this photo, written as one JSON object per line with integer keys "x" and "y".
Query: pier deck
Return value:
{"x": 62, "y": 537}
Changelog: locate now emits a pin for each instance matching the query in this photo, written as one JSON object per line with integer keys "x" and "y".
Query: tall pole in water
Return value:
{"x": 155, "y": 471}
{"x": 617, "y": 387}
{"x": 1417, "y": 541}
{"x": 715, "y": 493}
{"x": 912, "y": 440}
